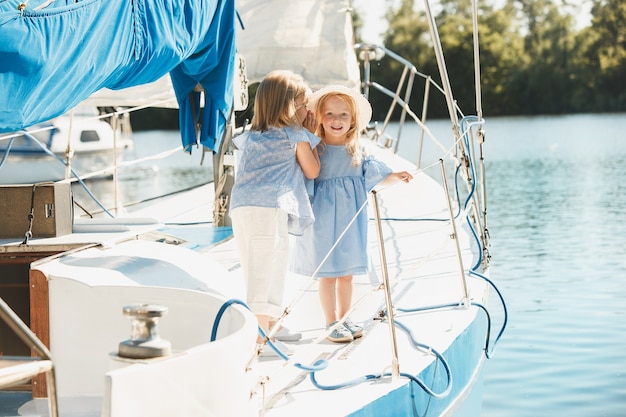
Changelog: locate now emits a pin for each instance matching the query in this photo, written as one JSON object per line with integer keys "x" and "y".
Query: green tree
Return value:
{"x": 501, "y": 50}
{"x": 533, "y": 61}
{"x": 408, "y": 36}
{"x": 503, "y": 60}
{"x": 606, "y": 55}
{"x": 550, "y": 42}
{"x": 357, "y": 26}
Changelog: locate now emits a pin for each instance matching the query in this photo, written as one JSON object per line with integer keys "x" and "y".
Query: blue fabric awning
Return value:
{"x": 54, "y": 58}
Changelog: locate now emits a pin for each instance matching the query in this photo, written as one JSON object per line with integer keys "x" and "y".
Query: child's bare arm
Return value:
{"x": 397, "y": 176}
{"x": 308, "y": 159}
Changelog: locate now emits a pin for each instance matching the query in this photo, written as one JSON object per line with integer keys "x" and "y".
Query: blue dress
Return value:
{"x": 339, "y": 192}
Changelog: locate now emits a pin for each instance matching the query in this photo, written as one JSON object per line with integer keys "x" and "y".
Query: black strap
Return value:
{"x": 31, "y": 215}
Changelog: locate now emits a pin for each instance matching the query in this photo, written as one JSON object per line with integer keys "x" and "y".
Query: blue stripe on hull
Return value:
{"x": 465, "y": 358}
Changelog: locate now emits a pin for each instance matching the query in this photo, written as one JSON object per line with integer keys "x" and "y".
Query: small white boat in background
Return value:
{"x": 78, "y": 142}
{"x": 143, "y": 314}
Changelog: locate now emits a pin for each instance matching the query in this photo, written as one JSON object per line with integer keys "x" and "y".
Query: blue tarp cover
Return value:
{"x": 54, "y": 58}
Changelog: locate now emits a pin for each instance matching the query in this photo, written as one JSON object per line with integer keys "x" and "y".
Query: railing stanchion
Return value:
{"x": 454, "y": 234}
{"x": 424, "y": 113}
{"x": 395, "y": 365}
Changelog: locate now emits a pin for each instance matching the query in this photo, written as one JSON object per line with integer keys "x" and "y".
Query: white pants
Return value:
{"x": 263, "y": 243}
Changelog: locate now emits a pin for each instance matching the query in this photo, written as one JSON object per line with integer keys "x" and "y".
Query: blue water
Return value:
{"x": 557, "y": 218}
{"x": 149, "y": 178}
{"x": 557, "y": 214}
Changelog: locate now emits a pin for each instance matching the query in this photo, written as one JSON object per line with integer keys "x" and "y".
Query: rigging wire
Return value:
{"x": 322, "y": 364}
{"x": 50, "y": 153}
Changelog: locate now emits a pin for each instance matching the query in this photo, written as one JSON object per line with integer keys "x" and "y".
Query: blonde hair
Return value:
{"x": 352, "y": 135}
{"x": 275, "y": 100}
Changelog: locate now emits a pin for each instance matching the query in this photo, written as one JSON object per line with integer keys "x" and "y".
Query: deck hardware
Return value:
{"x": 21, "y": 329}
{"x": 31, "y": 215}
{"x": 145, "y": 341}
{"x": 49, "y": 211}
{"x": 263, "y": 383}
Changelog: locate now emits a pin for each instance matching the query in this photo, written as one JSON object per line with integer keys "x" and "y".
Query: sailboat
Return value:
{"x": 144, "y": 314}
{"x": 75, "y": 142}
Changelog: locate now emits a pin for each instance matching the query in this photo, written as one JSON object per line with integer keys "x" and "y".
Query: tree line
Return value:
{"x": 533, "y": 59}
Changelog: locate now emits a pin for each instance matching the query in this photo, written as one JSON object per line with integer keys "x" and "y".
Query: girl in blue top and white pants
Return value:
{"x": 270, "y": 198}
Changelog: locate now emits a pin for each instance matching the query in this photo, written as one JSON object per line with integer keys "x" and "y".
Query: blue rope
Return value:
{"x": 439, "y": 356}
{"x": 466, "y": 123}
{"x": 317, "y": 366}
{"x": 413, "y": 378}
{"x": 488, "y": 353}
{"x": 323, "y": 364}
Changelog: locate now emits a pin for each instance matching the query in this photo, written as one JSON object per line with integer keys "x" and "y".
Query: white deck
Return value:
{"x": 427, "y": 274}
{"x": 423, "y": 270}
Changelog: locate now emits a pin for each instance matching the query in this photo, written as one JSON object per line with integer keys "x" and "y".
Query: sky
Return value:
{"x": 372, "y": 13}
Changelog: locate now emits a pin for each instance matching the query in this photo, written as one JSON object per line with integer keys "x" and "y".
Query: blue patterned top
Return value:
{"x": 340, "y": 191}
{"x": 269, "y": 174}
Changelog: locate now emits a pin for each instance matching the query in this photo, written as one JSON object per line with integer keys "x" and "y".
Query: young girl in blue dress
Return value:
{"x": 270, "y": 198}
{"x": 345, "y": 179}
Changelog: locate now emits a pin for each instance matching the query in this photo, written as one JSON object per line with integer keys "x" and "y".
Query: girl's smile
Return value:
{"x": 336, "y": 120}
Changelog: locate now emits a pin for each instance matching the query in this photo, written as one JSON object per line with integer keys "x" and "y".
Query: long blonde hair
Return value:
{"x": 352, "y": 135}
{"x": 275, "y": 100}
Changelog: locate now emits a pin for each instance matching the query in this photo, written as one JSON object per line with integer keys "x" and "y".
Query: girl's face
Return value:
{"x": 336, "y": 120}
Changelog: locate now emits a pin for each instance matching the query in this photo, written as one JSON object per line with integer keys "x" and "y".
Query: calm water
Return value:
{"x": 557, "y": 217}
{"x": 152, "y": 178}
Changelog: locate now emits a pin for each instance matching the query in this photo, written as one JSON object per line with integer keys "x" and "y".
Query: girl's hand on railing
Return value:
{"x": 395, "y": 177}
{"x": 403, "y": 176}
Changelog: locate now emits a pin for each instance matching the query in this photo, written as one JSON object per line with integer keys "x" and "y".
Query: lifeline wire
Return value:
{"x": 49, "y": 152}
{"x": 322, "y": 364}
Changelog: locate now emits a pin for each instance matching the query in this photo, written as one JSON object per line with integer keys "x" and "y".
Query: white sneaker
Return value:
{"x": 269, "y": 352}
{"x": 356, "y": 330}
{"x": 286, "y": 335}
{"x": 340, "y": 334}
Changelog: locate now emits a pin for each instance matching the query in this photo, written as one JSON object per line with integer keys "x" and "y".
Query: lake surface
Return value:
{"x": 558, "y": 211}
{"x": 557, "y": 218}
{"x": 149, "y": 178}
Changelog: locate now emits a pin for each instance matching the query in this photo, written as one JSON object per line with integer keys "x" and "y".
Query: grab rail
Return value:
{"x": 462, "y": 129}
{"x": 15, "y": 369}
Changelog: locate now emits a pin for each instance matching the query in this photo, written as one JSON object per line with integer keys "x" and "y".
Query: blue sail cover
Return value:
{"x": 54, "y": 58}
